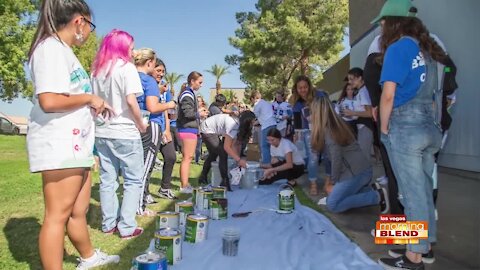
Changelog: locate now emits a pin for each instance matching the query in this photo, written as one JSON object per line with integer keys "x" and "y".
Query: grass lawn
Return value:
{"x": 21, "y": 213}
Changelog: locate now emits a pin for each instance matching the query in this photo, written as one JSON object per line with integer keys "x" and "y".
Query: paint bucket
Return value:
{"x": 202, "y": 198}
{"x": 286, "y": 198}
{"x": 231, "y": 163}
{"x": 183, "y": 208}
{"x": 219, "y": 192}
{"x": 252, "y": 174}
{"x": 150, "y": 260}
{"x": 196, "y": 228}
{"x": 230, "y": 240}
{"x": 218, "y": 208}
{"x": 168, "y": 220}
{"x": 215, "y": 176}
{"x": 169, "y": 242}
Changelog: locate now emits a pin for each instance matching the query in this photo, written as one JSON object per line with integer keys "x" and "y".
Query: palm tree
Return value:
{"x": 218, "y": 71}
{"x": 172, "y": 78}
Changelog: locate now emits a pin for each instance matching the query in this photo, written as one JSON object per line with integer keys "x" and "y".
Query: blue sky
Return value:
{"x": 187, "y": 35}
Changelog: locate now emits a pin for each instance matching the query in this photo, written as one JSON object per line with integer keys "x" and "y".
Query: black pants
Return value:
{"x": 177, "y": 143}
{"x": 169, "y": 158}
{"x": 215, "y": 149}
{"x": 291, "y": 174}
{"x": 151, "y": 143}
{"x": 395, "y": 206}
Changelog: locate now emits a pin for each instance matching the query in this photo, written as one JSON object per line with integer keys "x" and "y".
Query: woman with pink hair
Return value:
{"x": 117, "y": 138}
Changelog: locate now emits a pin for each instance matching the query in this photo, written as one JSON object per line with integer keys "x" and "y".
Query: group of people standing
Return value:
{"x": 127, "y": 110}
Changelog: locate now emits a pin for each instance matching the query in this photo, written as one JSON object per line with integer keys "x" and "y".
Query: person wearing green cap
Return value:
{"x": 409, "y": 127}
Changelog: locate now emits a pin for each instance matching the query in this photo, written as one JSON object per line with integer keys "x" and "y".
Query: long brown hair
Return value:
{"x": 294, "y": 97}
{"x": 396, "y": 27}
{"x": 54, "y": 16}
{"x": 324, "y": 119}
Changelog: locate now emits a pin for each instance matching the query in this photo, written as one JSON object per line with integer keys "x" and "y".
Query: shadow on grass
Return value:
{"x": 22, "y": 237}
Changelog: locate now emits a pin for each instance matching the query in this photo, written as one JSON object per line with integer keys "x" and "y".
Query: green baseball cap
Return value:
{"x": 399, "y": 8}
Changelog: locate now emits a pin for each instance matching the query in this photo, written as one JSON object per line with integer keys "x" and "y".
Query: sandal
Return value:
{"x": 313, "y": 189}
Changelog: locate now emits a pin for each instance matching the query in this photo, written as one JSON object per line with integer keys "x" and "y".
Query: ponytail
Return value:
{"x": 54, "y": 16}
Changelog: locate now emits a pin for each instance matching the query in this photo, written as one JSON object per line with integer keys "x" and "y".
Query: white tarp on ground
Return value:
{"x": 304, "y": 239}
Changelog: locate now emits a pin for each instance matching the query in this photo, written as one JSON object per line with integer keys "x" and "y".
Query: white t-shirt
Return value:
{"x": 65, "y": 139}
{"x": 362, "y": 99}
{"x": 264, "y": 112}
{"x": 286, "y": 146}
{"x": 350, "y": 104}
{"x": 220, "y": 124}
{"x": 114, "y": 89}
{"x": 280, "y": 110}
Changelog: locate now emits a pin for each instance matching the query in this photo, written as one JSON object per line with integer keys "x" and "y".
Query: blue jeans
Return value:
{"x": 127, "y": 156}
{"x": 312, "y": 157}
{"x": 411, "y": 143}
{"x": 265, "y": 146}
{"x": 352, "y": 193}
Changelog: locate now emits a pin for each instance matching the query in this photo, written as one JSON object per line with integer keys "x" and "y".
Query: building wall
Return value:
{"x": 361, "y": 14}
{"x": 455, "y": 23}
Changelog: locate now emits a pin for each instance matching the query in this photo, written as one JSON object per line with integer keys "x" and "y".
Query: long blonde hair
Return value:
{"x": 324, "y": 119}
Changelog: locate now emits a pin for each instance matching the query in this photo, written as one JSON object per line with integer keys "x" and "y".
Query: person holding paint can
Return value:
{"x": 60, "y": 133}
{"x": 119, "y": 145}
{"x": 351, "y": 170}
{"x": 287, "y": 162}
{"x": 219, "y": 132}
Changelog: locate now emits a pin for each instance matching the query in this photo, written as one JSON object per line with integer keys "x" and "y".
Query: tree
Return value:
{"x": 172, "y": 78}
{"x": 16, "y": 33}
{"x": 86, "y": 53}
{"x": 286, "y": 38}
{"x": 218, "y": 71}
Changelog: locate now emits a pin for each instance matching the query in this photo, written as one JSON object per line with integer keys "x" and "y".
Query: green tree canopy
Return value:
{"x": 16, "y": 31}
{"x": 286, "y": 38}
{"x": 87, "y": 52}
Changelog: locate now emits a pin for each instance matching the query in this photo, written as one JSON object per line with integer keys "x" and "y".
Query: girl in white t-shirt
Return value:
{"x": 118, "y": 142}
{"x": 346, "y": 102}
{"x": 287, "y": 162}
{"x": 61, "y": 131}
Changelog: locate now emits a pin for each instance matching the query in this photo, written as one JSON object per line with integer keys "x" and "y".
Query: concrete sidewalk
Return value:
{"x": 458, "y": 246}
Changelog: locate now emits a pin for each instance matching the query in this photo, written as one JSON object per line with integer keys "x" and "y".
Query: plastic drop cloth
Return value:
{"x": 302, "y": 240}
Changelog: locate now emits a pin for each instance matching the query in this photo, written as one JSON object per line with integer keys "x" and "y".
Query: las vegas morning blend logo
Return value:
{"x": 395, "y": 229}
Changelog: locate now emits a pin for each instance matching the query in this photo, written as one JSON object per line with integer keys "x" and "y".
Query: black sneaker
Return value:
{"x": 384, "y": 202}
{"x": 426, "y": 258}
{"x": 400, "y": 263}
{"x": 166, "y": 193}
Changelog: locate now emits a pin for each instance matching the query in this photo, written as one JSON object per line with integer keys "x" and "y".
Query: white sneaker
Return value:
{"x": 98, "y": 259}
{"x": 382, "y": 180}
{"x": 186, "y": 190}
{"x": 322, "y": 201}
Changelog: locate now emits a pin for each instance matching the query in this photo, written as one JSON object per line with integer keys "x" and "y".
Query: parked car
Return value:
{"x": 7, "y": 127}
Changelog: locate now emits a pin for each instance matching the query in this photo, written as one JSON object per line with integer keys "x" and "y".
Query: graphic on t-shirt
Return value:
{"x": 419, "y": 61}
{"x": 79, "y": 76}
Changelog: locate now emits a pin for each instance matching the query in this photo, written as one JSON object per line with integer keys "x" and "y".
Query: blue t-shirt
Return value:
{"x": 150, "y": 88}
{"x": 169, "y": 97}
{"x": 404, "y": 65}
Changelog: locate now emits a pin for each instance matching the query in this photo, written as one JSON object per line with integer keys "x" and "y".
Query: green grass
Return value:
{"x": 21, "y": 213}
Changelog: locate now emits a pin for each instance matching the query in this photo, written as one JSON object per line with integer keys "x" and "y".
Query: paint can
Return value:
{"x": 215, "y": 176}
{"x": 183, "y": 209}
{"x": 286, "y": 198}
{"x": 218, "y": 208}
{"x": 168, "y": 220}
{"x": 252, "y": 174}
{"x": 219, "y": 192}
{"x": 169, "y": 242}
{"x": 150, "y": 260}
{"x": 196, "y": 228}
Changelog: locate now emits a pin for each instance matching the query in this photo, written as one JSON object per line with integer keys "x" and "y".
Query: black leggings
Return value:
{"x": 291, "y": 174}
{"x": 215, "y": 149}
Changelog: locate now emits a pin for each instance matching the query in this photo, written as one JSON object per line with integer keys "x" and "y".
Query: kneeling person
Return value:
{"x": 287, "y": 162}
